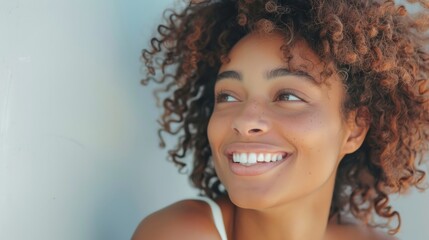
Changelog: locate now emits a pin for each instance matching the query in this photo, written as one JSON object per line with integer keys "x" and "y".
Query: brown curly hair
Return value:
{"x": 379, "y": 47}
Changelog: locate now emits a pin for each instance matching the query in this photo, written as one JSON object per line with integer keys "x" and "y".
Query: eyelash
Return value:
{"x": 288, "y": 93}
{"x": 223, "y": 94}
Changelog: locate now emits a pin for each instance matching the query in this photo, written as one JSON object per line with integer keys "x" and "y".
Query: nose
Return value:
{"x": 251, "y": 121}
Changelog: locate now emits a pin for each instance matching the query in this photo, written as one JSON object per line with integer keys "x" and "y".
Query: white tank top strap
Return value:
{"x": 217, "y": 216}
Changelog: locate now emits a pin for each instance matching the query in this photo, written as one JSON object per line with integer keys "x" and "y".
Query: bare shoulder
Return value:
{"x": 356, "y": 231}
{"x": 187, "y": 219}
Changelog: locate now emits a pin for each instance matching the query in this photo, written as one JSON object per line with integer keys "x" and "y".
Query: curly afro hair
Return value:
{"x": 380, "y": 47}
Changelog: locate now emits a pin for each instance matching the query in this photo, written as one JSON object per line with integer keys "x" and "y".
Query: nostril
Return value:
{"x": 243, "y": 130}
{"x": 250, "y": 131}
{"x": 255, "y": 130}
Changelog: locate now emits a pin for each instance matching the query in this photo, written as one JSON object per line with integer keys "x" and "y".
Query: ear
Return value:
{"x": 358, "y": 125}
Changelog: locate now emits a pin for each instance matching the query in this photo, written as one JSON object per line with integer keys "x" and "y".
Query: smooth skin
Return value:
{"x": 260, "y": 101}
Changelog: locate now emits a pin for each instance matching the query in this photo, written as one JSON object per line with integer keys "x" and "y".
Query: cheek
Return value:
{"x": 316, "y": 136}
{"x": 215, "y": 130}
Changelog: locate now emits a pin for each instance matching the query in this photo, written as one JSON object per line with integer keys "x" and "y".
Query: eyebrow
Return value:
{"x": 273, "y": 73}
{"x": 229, "y": 74}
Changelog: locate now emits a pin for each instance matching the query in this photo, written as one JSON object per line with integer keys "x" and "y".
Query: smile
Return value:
{"x": 252, "y": 159}
{"x": 249, "y": 159}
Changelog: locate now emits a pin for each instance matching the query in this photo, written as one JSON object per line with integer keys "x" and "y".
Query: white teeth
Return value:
{"x": 248, "y": 159}
{"x": 273, "y": 157}
{"x": 268, "y": 157}
{"x": 261, "y": 157}
{"x": 243, "y": 158}
{"x": 252, "y": 158}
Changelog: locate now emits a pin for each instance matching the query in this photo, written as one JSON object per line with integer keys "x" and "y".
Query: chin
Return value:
{"x": 251, "y": 199}
{"x": 248, "y": 203}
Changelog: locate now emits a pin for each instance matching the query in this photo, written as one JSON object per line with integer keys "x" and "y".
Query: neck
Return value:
{"x": 304, "y": 218}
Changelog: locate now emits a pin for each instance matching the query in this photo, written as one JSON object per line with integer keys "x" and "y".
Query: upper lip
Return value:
{"x": 252, "y": 148}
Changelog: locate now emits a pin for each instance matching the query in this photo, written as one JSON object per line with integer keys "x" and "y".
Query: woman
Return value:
{"x": 302, "y": 117}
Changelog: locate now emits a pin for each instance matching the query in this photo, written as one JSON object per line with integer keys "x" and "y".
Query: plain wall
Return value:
{"x": 79, "y": 156}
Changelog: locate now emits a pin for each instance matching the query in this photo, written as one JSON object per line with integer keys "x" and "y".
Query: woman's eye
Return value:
{"x": 224, "y": 97}
{"x": 286, "y": 96}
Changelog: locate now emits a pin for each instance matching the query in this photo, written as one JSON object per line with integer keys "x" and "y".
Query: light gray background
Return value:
{"x": 79, "y": 155}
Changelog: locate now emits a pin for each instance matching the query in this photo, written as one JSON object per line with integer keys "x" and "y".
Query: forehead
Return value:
{"x": 267, "y": 50}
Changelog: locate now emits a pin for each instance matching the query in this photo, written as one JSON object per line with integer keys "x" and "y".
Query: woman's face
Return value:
{"x": 276, "y": 136}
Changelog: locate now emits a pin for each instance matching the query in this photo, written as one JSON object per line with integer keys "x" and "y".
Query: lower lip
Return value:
{"x": 255, "y": 169}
